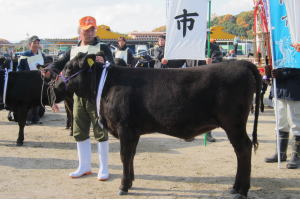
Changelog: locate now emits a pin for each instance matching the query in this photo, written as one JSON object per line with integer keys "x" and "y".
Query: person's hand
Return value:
{"x": 164, "y": 61}
{"x": 45, "y": 73}
{"x": 55, "y": 108}
{"x": 296, "y": 46}
{"x": 40, "y": 67}
{"x": 268, "y": 70}
{"x": 100, "y": 59}
{"x": 208, "y": 61}
{"x": 274, "y": 73}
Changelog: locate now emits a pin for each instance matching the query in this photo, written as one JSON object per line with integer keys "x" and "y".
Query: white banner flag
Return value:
{"x": 186, "y": 29}
{"x": 293, "y": 16}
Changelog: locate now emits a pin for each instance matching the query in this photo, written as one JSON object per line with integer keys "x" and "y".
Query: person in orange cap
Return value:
{"x": 84, "y": 110}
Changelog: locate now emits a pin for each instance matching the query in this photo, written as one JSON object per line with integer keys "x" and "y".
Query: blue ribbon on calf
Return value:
{"x": 100, "y": 90}
{"x": 5, "y": 85}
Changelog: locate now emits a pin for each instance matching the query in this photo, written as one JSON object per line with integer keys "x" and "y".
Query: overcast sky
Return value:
{"x": 59, "y": 18}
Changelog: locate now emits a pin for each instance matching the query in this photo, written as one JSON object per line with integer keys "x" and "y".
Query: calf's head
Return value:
{"x": 80, "y": 76}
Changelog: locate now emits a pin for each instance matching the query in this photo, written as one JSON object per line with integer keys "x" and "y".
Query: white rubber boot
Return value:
{"x": 84, "y": 157}
{"x": 103, "y": 150}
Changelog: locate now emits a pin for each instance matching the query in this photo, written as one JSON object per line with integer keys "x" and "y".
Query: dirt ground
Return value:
{"x": 165, "y": 167}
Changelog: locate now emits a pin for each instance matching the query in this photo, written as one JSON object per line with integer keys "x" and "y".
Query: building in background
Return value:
{"x": 6, "y": 48}
{"x": 135, "y": 40}
{"x": 225, "y": 41}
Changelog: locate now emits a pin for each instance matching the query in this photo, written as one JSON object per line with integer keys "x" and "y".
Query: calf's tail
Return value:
{"x": 258, "y": 86}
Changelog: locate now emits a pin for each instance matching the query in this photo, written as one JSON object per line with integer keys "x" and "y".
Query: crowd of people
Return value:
{"x": 84, "y": 110}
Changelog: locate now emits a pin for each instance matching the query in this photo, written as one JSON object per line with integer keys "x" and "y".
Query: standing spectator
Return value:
{"x": 29, "y": 60}
{"x": 231, "y": 54}
{"x": 288, "y": 105}
{"x": 123, "y": 54}
{"x": 84, "y": 110}
{"x": 215, "y": 52}
{"x": 236, "y": 41}
{"x": 160, "y": 60}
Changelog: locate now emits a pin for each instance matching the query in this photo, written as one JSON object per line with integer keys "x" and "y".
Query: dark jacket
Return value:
{"x": 23, "y": 64}
{"x": 215, "y": 54}
{"x": 58, "y": 65}
{"x": 288, "y": 84}
{"x": 130, "y": 58}
{"x": 159, "y": 54}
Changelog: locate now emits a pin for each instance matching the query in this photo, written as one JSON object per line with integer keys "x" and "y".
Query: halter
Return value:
{"x": 49, "y": 84}
{"x": 50, "y": 92}
{"x": 67, "y": 79}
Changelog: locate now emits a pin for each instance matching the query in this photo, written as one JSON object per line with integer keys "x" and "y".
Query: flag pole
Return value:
{"x": 208, "y": 35}
{"x": 274, "y": 89}
{"x": 208, "y": 51}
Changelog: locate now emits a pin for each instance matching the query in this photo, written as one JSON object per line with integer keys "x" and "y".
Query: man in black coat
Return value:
{"x": 160, "y": 61}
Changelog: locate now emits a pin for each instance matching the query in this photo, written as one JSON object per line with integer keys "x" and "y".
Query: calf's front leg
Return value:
{"x": 21, "y": 114}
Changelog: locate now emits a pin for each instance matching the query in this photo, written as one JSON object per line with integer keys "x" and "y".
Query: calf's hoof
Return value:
{"x": 189, "y": 139}
{"x": 121, "y": 192}
{"x": 36, "y": 122}
{"x": 233, "y": 191}
{"x": 19, "y": 144}
{"x": 239, "y": 196}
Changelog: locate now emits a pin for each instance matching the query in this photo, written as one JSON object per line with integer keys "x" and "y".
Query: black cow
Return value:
{"x": 178, "y": 102}
{"x": 23, "y": 92}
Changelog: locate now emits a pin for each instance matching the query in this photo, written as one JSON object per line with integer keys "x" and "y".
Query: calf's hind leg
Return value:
{"x": 132, "y": 163}
{"x": 128, "y": 146}
{"x": 242, "y": 146}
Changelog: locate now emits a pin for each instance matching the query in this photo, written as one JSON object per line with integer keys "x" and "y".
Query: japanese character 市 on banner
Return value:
{"x": 186, "y": 29}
